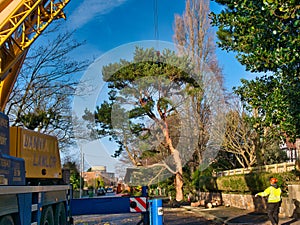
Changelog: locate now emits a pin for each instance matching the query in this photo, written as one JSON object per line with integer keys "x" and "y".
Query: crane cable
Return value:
{"x": 155, "y": 9}
{"x": 156, "y": 33}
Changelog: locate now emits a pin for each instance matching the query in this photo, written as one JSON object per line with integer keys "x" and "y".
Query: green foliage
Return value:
{"x": 74, "y": 174}
{"x": 166, "y": 184}
{"x": 203, "y": 181}
{"x": 75, "y": 181}
{"x": 276, "y": 100}
{"x": 265, "y": 36}
{"x": 139, "y": 97}
{"x": 99, "y": 182}
{"x": 273, "y": 154}
{"x": 225, "y": 161}
{"x": 39, "y": 117}
{"x": 243, "y": 183}
{"x": 253, "y": 182}
{"x": 232, "y": 184}
{"x": 206, "y": 183}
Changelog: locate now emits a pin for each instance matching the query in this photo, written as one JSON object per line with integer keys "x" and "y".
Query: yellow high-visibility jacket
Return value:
{"x": 274, "y": 194}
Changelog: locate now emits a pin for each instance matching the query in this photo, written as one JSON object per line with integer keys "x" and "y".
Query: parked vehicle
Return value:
{"x": 101, "y": 191}
{"x": 109, "y": 190}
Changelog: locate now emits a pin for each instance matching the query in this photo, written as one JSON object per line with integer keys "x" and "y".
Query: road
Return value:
{"x": 172, "y": 216}
{"x": 187, "y": 215}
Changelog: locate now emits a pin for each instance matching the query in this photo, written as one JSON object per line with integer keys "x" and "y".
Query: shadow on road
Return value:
{"x": 258, "y": 218}
{"x": 292, "y": 221}
{"x": 253, "y": 218}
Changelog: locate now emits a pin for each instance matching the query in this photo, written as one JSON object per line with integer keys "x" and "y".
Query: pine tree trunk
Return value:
{"x": 178, "y": 186}
{"x": 178, "y": 175}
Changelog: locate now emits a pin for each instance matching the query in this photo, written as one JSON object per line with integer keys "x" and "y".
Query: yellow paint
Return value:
{"x": 40, "y": 152}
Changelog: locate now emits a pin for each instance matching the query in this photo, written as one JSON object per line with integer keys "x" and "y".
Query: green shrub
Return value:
{"x": 245, "y": 183}
{"x": 235, "y": 183}
{"x": 205, "y": 183}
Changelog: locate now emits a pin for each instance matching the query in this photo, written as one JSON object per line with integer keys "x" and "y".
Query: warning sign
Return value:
{"x": 138, "y": 204}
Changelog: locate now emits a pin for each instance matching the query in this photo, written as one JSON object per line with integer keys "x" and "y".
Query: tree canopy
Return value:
{"x": 150, "y": 111}
{"x": 276, "y": 101}
{"x": 265, "y": 36}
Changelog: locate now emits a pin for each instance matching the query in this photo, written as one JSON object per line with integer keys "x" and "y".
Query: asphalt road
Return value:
{"x": 172, "y": 216}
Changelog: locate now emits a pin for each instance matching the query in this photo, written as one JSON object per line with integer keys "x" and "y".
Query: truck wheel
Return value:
{"x": 47, "y": 216}
{"x": 6, "y": 220}
{"x": 60, "y": 216}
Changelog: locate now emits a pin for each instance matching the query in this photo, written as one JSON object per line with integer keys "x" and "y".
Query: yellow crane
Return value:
{"x": 27, "y": 156}
{"x": 21, "y": 22}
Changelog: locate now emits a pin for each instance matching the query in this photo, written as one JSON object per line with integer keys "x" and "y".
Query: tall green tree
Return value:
{"x": 265, "y": 36}
{"x": 148, "y": 112}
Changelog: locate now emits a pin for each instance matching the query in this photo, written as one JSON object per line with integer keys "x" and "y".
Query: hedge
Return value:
{"x": 245, "y": 183}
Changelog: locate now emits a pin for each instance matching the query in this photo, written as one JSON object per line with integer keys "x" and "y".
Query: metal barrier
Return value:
{"x": 151, "y": 210}
{"x": 156, "y": 212}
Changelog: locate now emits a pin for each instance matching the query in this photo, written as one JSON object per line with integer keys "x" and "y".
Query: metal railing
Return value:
{"x": 274, "y": 168}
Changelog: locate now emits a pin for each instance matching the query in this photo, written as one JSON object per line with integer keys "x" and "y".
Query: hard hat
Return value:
{"x": 273, "y": 180}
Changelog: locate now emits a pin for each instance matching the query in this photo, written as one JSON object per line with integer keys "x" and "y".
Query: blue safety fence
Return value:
{"x": 151, "y": 210}
{"x": 104, "y": 205}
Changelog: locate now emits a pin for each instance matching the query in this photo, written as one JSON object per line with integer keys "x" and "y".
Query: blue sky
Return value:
{"x": 107, "y": 24}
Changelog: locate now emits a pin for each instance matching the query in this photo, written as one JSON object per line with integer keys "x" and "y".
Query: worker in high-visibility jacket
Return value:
{"x": 274, "y": 200}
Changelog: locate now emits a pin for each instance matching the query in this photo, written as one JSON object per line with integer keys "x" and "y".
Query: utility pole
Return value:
{"x": 81, "y": 171}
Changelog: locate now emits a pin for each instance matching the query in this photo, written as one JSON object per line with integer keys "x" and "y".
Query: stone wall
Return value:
{"x": 257, "y": 204}
{"x": 293, "y": 201}
{"x": 290, "y": 206}
{"x": 243, "y": 201}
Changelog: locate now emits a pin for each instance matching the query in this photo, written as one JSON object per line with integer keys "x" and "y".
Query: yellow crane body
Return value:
{"x": 21, "y": 22}
{"x": 40, "y": 152}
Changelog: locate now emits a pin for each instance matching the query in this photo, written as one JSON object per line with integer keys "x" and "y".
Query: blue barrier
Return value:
{"x": 113, "y": 205}
{"x": 156, "y": 212}
{"x": 105, "y": 205}
{"x": 151, "y": 210}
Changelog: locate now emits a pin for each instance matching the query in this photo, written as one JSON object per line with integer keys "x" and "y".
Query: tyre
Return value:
{"x": 47, "y": 216}
{"x": 60, "y": 215}
{"x": 6, "y": 220}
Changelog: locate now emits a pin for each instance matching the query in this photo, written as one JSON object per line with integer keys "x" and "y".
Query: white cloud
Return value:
{"x": 89, "y": 9}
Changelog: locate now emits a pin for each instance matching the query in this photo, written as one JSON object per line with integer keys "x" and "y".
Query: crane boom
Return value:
{"x": 21, "y": 22}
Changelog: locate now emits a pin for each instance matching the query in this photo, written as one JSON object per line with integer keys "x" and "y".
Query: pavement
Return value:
{"x": 236, "y": 216}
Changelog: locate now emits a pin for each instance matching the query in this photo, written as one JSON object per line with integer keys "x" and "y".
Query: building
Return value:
{"x": 292, "y": 150}
{"x": 97, "y": 174}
